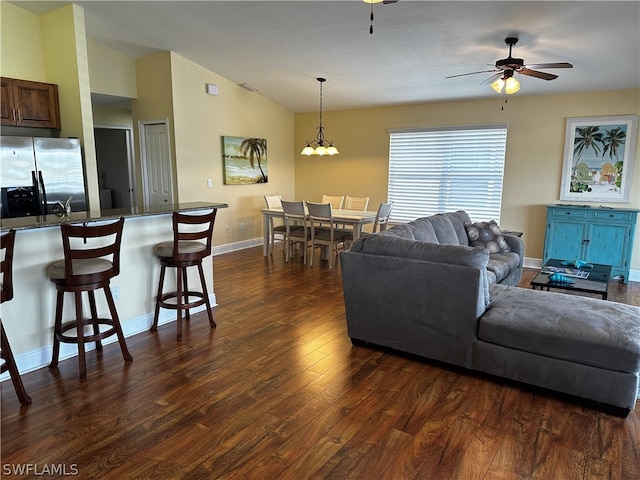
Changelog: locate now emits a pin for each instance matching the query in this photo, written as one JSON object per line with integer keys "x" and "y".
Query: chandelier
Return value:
{"x": 323, "y": 147}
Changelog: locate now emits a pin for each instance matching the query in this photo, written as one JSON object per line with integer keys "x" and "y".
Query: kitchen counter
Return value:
{"x": 28, "y": 318}
{"x": 40, "y": 221}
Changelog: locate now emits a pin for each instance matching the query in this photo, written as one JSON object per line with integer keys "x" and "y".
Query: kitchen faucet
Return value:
{"x": 60, "y": 208}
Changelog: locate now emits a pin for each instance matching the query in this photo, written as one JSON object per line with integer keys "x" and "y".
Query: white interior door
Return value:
{"x": 156, "y": 162}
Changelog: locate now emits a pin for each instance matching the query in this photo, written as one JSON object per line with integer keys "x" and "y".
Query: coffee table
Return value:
{"x": 597, "y": 282}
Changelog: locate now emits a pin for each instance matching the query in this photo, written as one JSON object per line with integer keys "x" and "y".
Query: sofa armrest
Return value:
{"x": 516, "y": 245}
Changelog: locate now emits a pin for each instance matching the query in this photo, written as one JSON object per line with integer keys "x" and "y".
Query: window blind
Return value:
{"x": 447, "y": 169}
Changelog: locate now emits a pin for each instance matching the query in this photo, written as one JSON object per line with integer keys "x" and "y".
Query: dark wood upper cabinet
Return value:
{"x": 29, "y": 104}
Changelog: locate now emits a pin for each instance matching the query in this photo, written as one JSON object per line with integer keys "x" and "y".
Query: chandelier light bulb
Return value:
{"x": 331, "y": 150}
{"x": 308, "y": 150}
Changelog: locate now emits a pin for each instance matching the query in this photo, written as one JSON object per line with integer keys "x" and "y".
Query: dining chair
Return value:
{"x": 382, "y": 217}
{"x": 335, "y": 201}
{"x": 296, "y": 228}
{"x": 275, "y": 201}
{"x": 356, "y": 203}
{"x": 91, "y": 260}
{"x": 7, "y": 243}
{"x": 380, "y": 223}
{"x": 324, "y": 231}
{"x": 191, "y": 243}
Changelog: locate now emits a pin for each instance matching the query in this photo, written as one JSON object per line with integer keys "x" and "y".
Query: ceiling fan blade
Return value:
{"x": 551, "y": 65}
{"x": 491, "y": 78}
{"x": 389, "y": 1}
{"x": 471, "y": 73}
{"x": 537, "y": 74}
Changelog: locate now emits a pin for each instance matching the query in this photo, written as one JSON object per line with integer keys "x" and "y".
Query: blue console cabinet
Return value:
{"x": 593, "y": 234}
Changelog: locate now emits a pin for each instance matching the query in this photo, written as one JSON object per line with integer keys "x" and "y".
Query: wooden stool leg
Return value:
{"x": 205, "y": 293}
{"x": 116, "y": 324}
{"x": 56, "y": 330}
{"x": 179, "y": 303}
{"x": 185, "y": 293}
{"x": 12, "y": 368}
{"x": 82, "y": 364}
{"x": 94, "y": 318}
{"x": 154, "y": 326}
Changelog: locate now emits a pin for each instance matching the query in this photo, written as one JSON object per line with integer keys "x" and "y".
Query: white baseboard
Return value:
{"x": 233, "y": 247}
{"x": 41, "y": 357}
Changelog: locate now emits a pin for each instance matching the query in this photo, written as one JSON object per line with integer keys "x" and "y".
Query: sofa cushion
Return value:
{"x": 444, "y": 229}
{"x": 501, "y": 264}
{"x": 423, "y": 230}
{"x": 402, "y": 230}
{"x": 578, "y": 329}
{"x": 487, "y": 235}
{"x": 458, "y": 219}
{"x": 378, "y": 244}
{"x": 491, "y": 277}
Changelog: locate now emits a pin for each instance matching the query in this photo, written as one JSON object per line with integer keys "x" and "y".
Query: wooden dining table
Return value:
{"x": 354, "y": 218}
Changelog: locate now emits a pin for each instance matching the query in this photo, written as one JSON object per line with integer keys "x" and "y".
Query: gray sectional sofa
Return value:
{"x": 421, "y": 288}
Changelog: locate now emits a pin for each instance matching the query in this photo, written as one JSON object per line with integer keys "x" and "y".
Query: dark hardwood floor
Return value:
{"x": 278, "y": 392}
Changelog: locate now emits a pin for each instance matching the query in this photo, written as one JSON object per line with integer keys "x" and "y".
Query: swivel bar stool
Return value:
{"x": 7, "y": 242}
{"x": 85, "y": 269}
{"x": 192, "y": 238}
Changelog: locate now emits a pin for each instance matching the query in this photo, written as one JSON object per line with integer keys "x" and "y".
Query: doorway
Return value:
{"x": 114, "y": 158}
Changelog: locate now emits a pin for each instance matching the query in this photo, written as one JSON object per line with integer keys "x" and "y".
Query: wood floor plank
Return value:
{"x": 278, "y": 391}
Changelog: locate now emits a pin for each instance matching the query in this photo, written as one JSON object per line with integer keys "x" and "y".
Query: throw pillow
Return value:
{"x": 487, "y": 235}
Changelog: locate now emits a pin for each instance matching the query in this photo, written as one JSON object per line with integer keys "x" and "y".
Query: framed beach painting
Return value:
{"x": 598, "y": 158}
{"x": 244, "y": 160}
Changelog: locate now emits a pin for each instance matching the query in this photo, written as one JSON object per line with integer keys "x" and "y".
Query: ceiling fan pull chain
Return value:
{"x": 371, "y": 18}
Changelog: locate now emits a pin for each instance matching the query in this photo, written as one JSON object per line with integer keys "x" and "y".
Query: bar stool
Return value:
{"x": 7, "y": 242}
{"x": 85, "y": 269}
{"x": 192, "y": 238}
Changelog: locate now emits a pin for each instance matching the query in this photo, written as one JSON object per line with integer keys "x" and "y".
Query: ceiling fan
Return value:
{"x": 506, "y": 67}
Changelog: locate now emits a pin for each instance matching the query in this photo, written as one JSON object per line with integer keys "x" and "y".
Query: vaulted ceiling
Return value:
{"x": 281, "y": 47}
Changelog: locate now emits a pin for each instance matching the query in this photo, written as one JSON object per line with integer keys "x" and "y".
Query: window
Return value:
{"x": 447, "y": 169}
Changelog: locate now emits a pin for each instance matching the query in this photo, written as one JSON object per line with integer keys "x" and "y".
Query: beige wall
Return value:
{"x": 105, "y": 115}
{"x": 200, "y": 122}
{"x": 111, "y": 72}
{"x": 535, "y": 149}
{"x": 21, "y": 45}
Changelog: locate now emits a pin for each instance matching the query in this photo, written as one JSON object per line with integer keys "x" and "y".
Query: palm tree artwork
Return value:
{"x": 590, "y": 147}
{"x": 245, "y": 160}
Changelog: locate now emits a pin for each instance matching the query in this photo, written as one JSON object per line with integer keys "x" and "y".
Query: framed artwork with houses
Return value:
{"x": 599, "y": 153}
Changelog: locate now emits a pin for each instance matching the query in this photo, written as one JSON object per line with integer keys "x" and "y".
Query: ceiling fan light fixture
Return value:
{"x": 498, "y": 85}
{"x": 372, "y": 1}
{"x": 323, "y": 147}
{"x": 511, "y": 85}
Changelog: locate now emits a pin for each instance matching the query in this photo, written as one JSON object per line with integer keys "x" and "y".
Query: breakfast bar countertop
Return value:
{"x": 40, "y": 221}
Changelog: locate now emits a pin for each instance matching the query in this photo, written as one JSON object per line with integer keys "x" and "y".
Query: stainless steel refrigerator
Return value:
{"x": 38, "y": 174}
